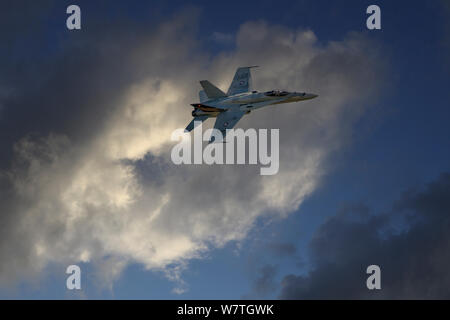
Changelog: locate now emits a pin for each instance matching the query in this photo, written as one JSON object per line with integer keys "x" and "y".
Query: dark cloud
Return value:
{"x": 72, "y": 82}
{"x": 264, "y": 282}
{"x": 282, "y": 249}
{"x": 411, "y": 244}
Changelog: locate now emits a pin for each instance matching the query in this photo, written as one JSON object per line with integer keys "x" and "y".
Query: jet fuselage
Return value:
{"x": 248, "y": 101}
{"x": 240, "y": 99}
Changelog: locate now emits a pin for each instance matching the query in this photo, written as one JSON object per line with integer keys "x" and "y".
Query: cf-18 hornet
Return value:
{"x": 240, "y": 99}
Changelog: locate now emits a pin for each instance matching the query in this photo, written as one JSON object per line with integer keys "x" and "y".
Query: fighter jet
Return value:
{"x": 239, "y": 100}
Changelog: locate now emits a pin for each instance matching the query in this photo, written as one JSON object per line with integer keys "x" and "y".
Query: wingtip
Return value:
{"x": 250, "y": 67}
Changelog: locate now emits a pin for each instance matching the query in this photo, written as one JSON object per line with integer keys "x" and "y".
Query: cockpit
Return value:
{"x": 276, "y": 93}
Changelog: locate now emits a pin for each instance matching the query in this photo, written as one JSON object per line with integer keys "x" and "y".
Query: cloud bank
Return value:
{"x": 410, "y": 243}
{"x": 86, "y": 173}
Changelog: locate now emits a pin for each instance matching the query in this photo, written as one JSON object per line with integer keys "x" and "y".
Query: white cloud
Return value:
{"x": 84, "y": 201}
{"x": 222, "y": 38}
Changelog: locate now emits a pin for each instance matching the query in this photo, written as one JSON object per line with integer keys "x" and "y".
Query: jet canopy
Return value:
{"x": 276, "y": 93}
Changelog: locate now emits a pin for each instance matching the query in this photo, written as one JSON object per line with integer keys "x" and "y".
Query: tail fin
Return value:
{"x": 242, "y": 81}
{"x": 202, "y": 95}
{"x": 211, "y": 90}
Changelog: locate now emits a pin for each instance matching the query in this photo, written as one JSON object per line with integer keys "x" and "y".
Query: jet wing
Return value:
{"x": 242, "y": 81}
{"x": 227, "y": 120}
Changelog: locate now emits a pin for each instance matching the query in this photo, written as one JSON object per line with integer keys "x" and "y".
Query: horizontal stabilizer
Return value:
{"x": 211, "y": 90}
{"x": 190, "y": 126}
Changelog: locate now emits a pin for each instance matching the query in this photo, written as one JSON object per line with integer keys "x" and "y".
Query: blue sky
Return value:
{"x": 401, "y": 143}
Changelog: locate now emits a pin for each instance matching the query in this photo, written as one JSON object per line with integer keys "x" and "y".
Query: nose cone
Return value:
{"x": 311, "y": 96}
